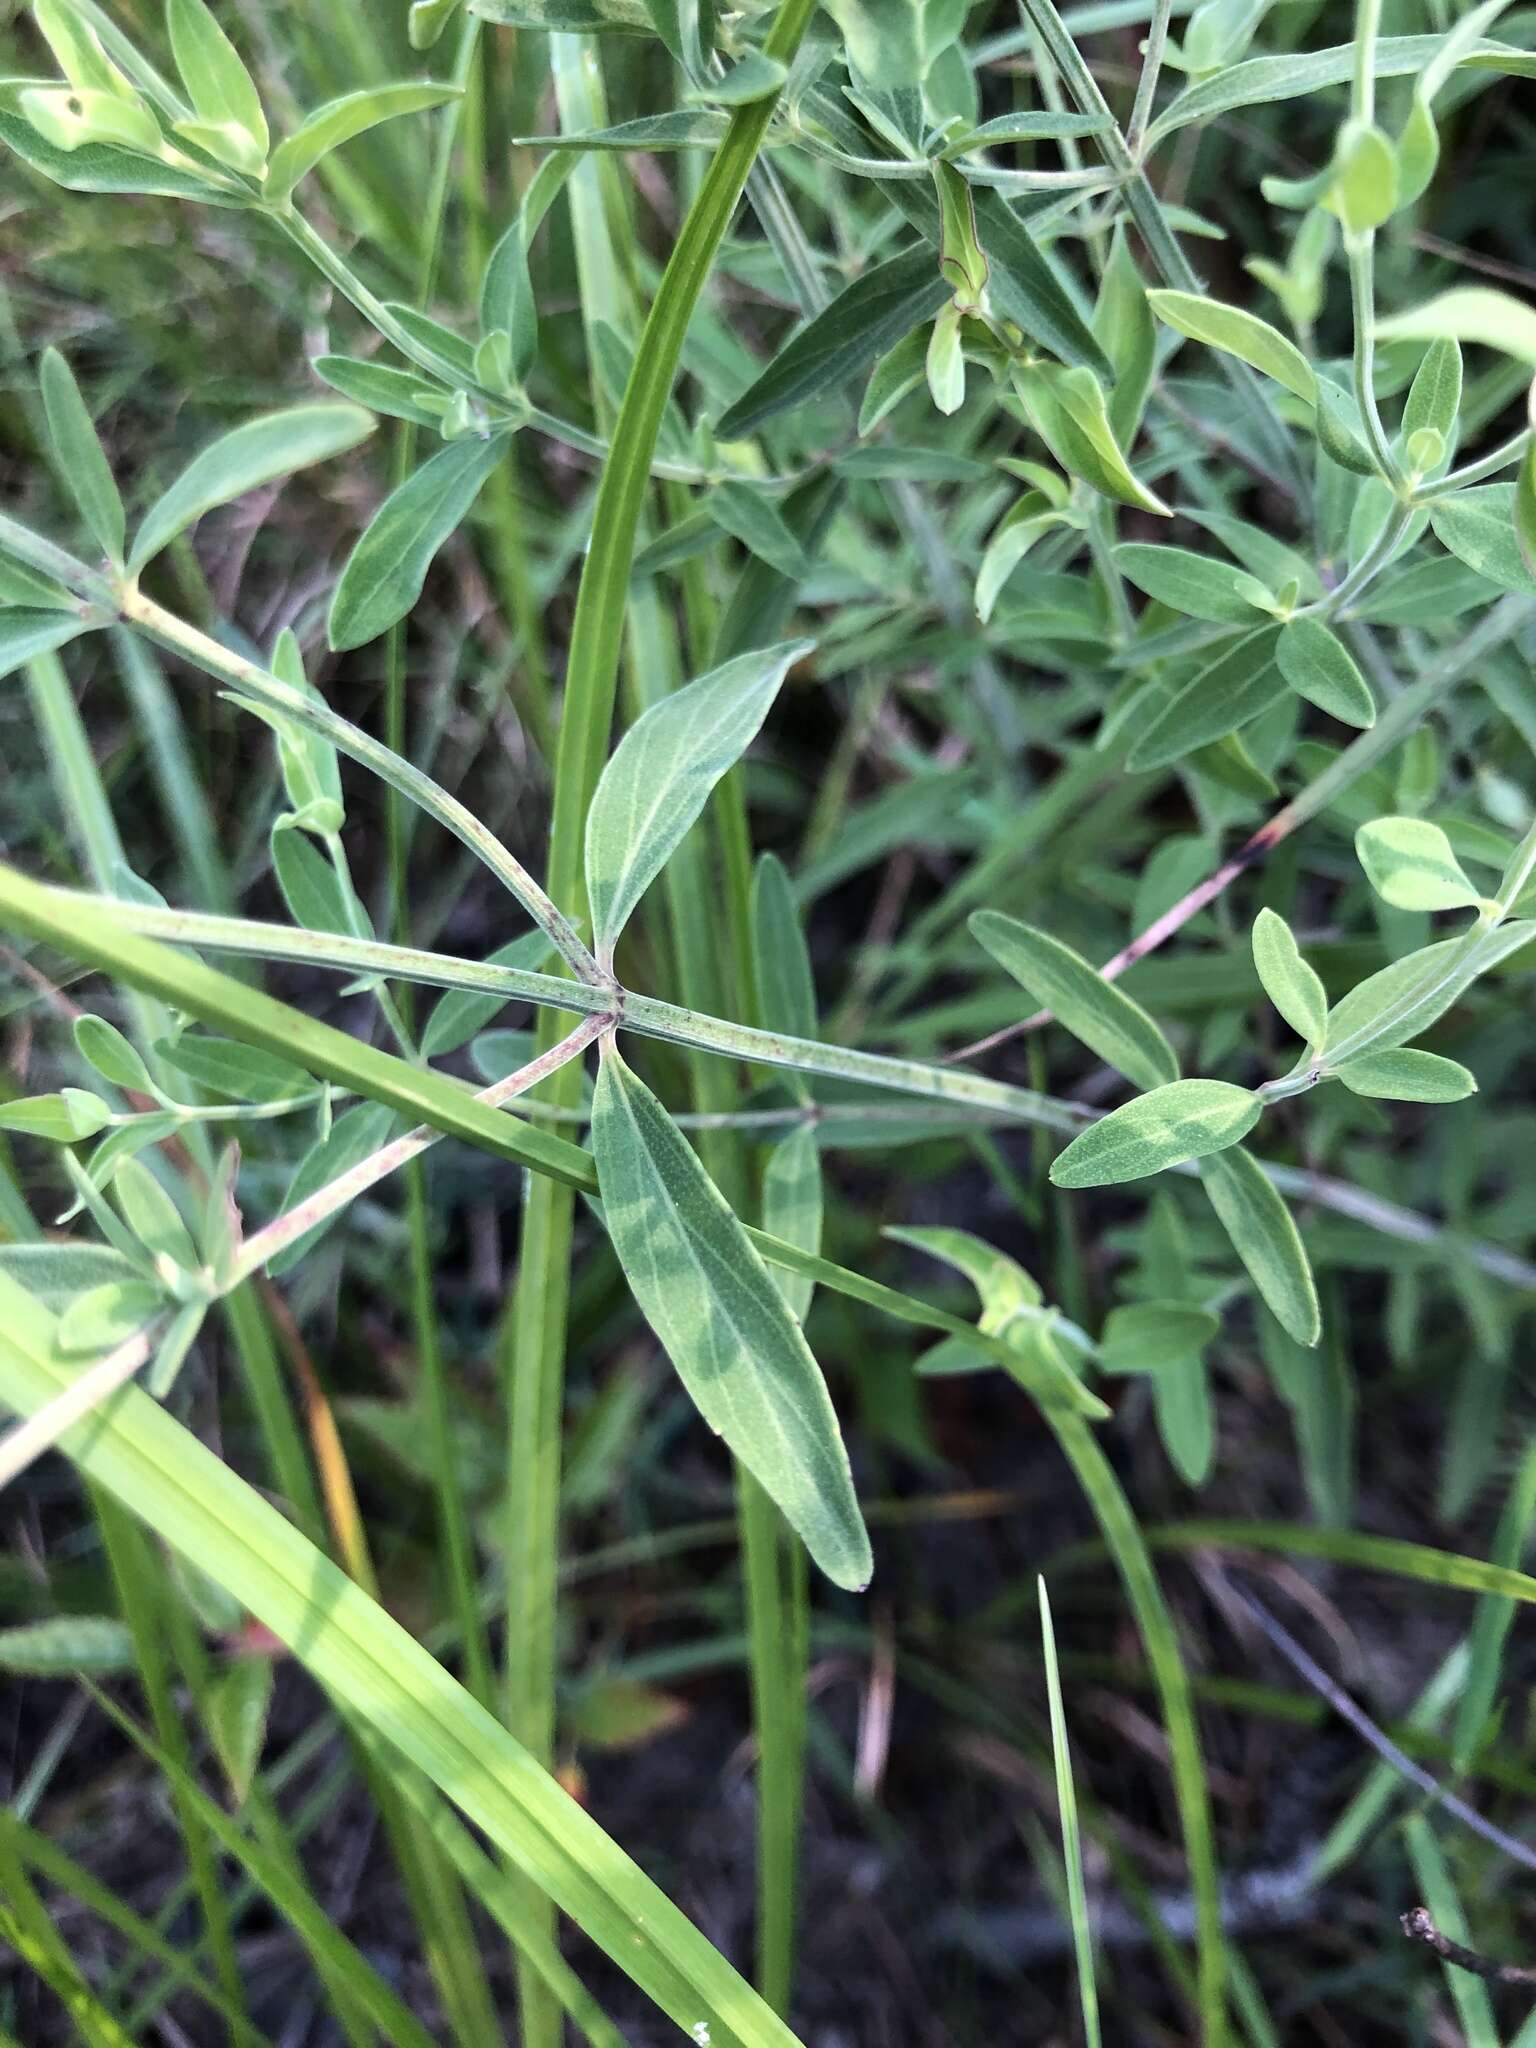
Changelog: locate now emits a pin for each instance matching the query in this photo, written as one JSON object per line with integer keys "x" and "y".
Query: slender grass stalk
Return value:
{"x": 537, "y": 1331}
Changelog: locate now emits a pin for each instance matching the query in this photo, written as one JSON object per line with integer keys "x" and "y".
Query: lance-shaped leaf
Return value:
{"x": 244, "y": 458}
{"x": 1478, "y": 526}
{"x": 712, "y": 1302}
{"x": 1410, "y": 864}
{"x": 1184, "y": 1120}
{"x": 792, "y": 1208}
{"x": 1225, "y": 694}
{"x": 569, "y": 17}
{"x": 26, "y": 632}
{"x": 1107, "y": 1020}
{"x": 385, "y": 572}
{"x": 661, "y": 773}
{"x": 222, "y": 91}
{"x": 1199, "y": 586}
{"x": 1236, "y": 333}
{"x": 875, "y": 312}
{"x": 1406, "y": 1075}
{"x": 1318, "y": 666}
{"x": 1291, "y": 985}
{"x": 1265, "y": 1238}
{"x": 328, "y": 127}
{"x": 81, "y": 463}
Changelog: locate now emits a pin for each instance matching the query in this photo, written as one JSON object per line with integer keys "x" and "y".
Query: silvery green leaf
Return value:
{"x": 1478, "y": 527}
{"x": 460, "y": 1013}
{"x": 1291, "y": 985}
{"x": 220, "y": 88}
{"x": 356, "y": 1133}
{"x": 1265, "y": 1238}
{"x": 78, "y": 452}
{"x": 225, "y": 1067}
{"x": 68, "y": 1646}
{"x": 712, "y": 1302}
{"x": 1238, "y": 333}
{"x": 1318, "y": 666}
{"x": 1060, "y": 980}
{"x": 385, "y": 571}
{"x": 247, "y": 456}
{"x": 1197, "y": 585}
{"x": 72, "y": 1114}
{"x": 152, "y": 1216}
{"x": 661, "y": 773}
{"x": 1183, "y": 1120}
{"x": 26, "y": 633}
{"x": 1405, "y": 1075}
{"x": 103, "y": 1318}
{"x": 110, "y": 1054}
{"x": 1234, "y": 687}
{"x": 328, "y": 127}
{"x": 792, "y": 1209}
{"x": 1409, "y": 863}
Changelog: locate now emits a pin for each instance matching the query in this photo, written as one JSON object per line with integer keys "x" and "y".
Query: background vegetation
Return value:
{"x": 947, "y": 598}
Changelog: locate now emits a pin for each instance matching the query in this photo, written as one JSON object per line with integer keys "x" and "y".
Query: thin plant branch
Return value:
{"x": 1419, "y": 1926}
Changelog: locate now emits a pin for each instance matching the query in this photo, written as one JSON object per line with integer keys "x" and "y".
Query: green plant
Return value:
{"x": 925, "y": 490}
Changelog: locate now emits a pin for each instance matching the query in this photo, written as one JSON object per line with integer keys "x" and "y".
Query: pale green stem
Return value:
{"x": 1361, "y": 250}
{"x": 1474, "y": 472}
{"x": 1146, "y": 85}
{"x": 251, "y": 680}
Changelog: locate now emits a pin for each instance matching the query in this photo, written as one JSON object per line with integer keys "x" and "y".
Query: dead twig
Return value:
{"x": 1418, "y": 1924}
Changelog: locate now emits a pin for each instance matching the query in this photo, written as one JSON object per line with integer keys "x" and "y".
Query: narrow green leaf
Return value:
{"x": 661, "y": 773}
{"x": 786, "y": 986}
{"x": 387, "y": 568}
{"x": 710, "y": 1299}
{"x": 1478, "y": 527}
{"x": 1239, "y": 684}
{"x": 1525, "y": 510}
{"x": 355, "y": 1134}
{"x": 313, "y": 891}
{"x": 748, "y": 516}
{"x": 68, "y": 1646}
{"x": 1403, "y": 1075}
{"x": 26, "y": 633}
{"x": 1069, "y": 412}
{"x": 1434, "y": 397}
{"x": 1030, "y": 124}
{"x": 101, "y": 1319}
{"x": 1469, "y": 313}
{"x": 152, "y": 1216}
{"x": 1182, "y": 1120}
{"x": 1240, "y": 334}
{"x": 235, "y": 1711}
{"x": 1071, "y": 1837}
{"x": 218, "y": 84}
{"x": 1318, "y": 666}
{"x": 328, "y": 127}
{"x": 569, "y": 17}
{"x": 62, "y": 1118}
{"x": 382, "y": 389}
{"x": 81, "y": 464}
{"x": 870, "y": 316}
{"x": 1145, "y": 1336}
{"x": 111, "y": 1054}
{"x": 225, "y": 1067}
{"x": 459, "y": 1015}
{"x": 1295, "y": 989}
{"x": 945, "y": 364}
{"x": 1098, "y": 1012}
{"x": 507, "y": 303}
{"x": 1409, "y": 863}
{"x": 1264, "y": 1236}
{"x": 685, "y": 128}
{"x": 272, "y": 446}
{"x": 104, "y": 167}
{"x": 1405, "y": 998}
{"x": 1199, "y": 586}
{"x": 792, "y": 1209}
